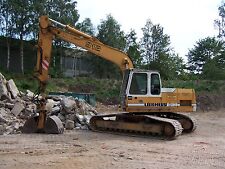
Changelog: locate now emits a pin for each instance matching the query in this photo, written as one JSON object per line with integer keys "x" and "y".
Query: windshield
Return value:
{"x": 138, "y": 84}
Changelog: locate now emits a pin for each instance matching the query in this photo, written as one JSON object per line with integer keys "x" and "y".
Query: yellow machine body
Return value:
{"x": 141, "y": 91}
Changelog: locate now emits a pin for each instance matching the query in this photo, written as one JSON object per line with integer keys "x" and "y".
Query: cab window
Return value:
{"x": 155, "y": 84}
{"x": 139, "y": 84}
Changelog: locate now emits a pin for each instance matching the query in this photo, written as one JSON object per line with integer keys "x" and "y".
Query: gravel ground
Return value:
{"x": 83, "y": 149}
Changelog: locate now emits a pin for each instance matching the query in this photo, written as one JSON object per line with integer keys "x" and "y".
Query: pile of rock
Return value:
{"x": 74, "y": 113}
{"x": 16, "y": 107}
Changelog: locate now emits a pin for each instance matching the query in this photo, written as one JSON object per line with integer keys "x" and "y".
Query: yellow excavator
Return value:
{"x": 148, "y": 109}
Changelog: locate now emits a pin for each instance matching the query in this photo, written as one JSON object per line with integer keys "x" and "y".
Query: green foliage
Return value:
{"x": 20, "y": 19}
{"x": 133, "y": 48}
{"x": 23, "y": 82}
{"x": 157, "y": 53}
{"x": 109, "y": 33}
{"x": 198, "y": 85}
{"x": 220, "y": 23}
{"x": 154, "y": 42}
{"x": 86, "y": 26}
{"x": 207, "y": 59}
{"x": 106, "y": 90}
{"x": 169, "y": 66}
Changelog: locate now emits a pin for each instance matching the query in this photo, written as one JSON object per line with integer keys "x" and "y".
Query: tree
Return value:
{"x": 23, "y": 17}
{"x": 63, "y": 11}
{"x": 207, "y": 55}
{"x": 6, "y": 26}
{"x": 133, "y": 48}
{"x": 21, "y": 14}
{"x": 220, "y": 23}
{"x": 86, "y": 26}
{"x": 109, "y": 33}
{"x": 154, "y": 42}
{"x": 157, "y": 53}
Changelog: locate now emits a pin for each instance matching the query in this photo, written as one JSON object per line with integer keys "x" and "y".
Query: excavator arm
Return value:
{"x": 50, "y": 29}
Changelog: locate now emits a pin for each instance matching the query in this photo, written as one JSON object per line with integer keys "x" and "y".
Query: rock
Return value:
{"x": 9, "y": 130}
{"x": 2, "y": 104}
{"x": 5, "y": 112}
{"x": 85, "y": 108}
{"x": 12, "y": 89}
{"x": 87, "y": 118}
{"x": 16, "y": 126}
{"x": 29, "y": 110}
{"x": 2, "y": 119}
{"x": 6, "y": 97}
{"x": 77, "y": 125}
{"x": 61, "y": 117}
{"x": 130, "y": 158}
{"x": 69, "y": 125}
{"x": 9, "y": 105}
{"x": 49, "y": 105}
{"x": 3, "y": 88}
{"x": 68, "y": 103}
{"x": 80, "y": 118}
{"x": 56, "y": 110}
{"x": 17, "y": 109}
{"x": 115, "y": 159}
{"x": 71, "y": 117}
{"x": 16, "y": 106}
{"x": 84, "y": 127}
{"x": 29, "y": 93}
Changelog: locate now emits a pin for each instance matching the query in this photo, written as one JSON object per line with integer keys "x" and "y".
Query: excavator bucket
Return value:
{"x": 53, "y": 125}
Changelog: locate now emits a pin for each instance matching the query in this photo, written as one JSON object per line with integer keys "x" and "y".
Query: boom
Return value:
{"x": 49, "y": 29}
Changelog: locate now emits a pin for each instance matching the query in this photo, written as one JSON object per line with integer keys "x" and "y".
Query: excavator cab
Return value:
{"x": 142, "y": 92}
{"x": 144, "y": 83}
{"x": 139, "y": 84}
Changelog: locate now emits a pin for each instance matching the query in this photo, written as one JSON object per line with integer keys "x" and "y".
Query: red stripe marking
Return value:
{"x": 45, "y": 64}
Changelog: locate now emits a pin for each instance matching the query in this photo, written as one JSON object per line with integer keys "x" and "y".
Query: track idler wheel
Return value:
{"x": 53, "y": 125}
{"x": 169, "y": 130}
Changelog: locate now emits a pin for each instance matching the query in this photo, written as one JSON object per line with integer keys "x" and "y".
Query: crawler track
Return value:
{"x": 188, "y": 123}
{"x": 137, "y": 125}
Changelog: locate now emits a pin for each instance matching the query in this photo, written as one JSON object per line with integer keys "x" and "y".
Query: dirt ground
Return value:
{"x": 82, "y": 149}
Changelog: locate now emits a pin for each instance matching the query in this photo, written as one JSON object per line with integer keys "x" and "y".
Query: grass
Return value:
{"x": 106, "y": 90}
{"x": 198, "y": 85}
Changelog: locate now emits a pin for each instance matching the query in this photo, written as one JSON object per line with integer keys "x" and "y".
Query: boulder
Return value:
{"x": 69, "y": 125}
{"x": 61, "y": 117}
{"x": 68, "y": 104}
{"x": 29, "y": 93}
{"x": 2, "y": 119}
{"x": 3, "y": 88}
{"x": 9, "y": 105}
{"x": 12, "y": 88}
{"x": 17, "y": 109}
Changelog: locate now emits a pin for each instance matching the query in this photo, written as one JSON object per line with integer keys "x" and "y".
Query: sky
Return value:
{"x": 185, "y": 21}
